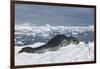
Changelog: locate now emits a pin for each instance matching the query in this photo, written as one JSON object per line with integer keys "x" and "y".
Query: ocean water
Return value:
{"x": 27, "y": 35}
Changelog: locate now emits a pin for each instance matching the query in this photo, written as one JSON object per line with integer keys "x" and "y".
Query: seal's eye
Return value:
{"x": 74, "y": 40}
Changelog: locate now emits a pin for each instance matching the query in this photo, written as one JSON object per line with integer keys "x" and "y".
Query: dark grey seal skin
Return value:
{"x": 52, "y": 45}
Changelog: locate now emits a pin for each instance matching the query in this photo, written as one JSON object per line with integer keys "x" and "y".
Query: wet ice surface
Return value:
{"x": 70, "y": 53}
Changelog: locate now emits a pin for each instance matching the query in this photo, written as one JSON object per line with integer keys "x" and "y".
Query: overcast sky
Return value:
{"x": 53, "y": 15}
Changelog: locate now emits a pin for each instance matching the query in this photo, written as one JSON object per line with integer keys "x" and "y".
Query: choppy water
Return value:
{"x": 24, "y": 39}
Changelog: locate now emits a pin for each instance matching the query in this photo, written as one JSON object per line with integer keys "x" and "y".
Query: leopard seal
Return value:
{"x": 52, "y": 45}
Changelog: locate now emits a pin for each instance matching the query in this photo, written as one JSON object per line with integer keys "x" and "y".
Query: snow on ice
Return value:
{"x": 70, "y": 53}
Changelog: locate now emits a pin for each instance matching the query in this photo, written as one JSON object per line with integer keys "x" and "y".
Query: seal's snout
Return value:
{"x": 77, "y": 42}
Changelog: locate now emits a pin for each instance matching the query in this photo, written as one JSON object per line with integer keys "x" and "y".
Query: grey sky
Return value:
{"x": 53, "y": 15}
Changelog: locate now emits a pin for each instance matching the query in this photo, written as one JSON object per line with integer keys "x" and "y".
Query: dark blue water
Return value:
{"x": 86, "y": 37}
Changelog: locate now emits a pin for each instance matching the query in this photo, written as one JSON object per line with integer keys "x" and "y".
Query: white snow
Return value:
{"x": 70, "y": 53}
{"x": 36, "y": 44}
{"x": 28, "y": 29}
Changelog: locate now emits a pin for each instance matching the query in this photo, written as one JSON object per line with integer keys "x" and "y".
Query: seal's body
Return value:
{"x": 52, "y": 45}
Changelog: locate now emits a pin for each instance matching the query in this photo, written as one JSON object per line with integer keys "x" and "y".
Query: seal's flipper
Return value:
{"x": 20, "y": 51}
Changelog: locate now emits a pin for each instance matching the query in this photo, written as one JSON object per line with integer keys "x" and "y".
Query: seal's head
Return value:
{"x": 69, "y": 40}
{"x": 73, "y": 40}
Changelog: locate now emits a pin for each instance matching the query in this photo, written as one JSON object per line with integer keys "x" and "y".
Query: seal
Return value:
{"x": 52, "y": 45}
